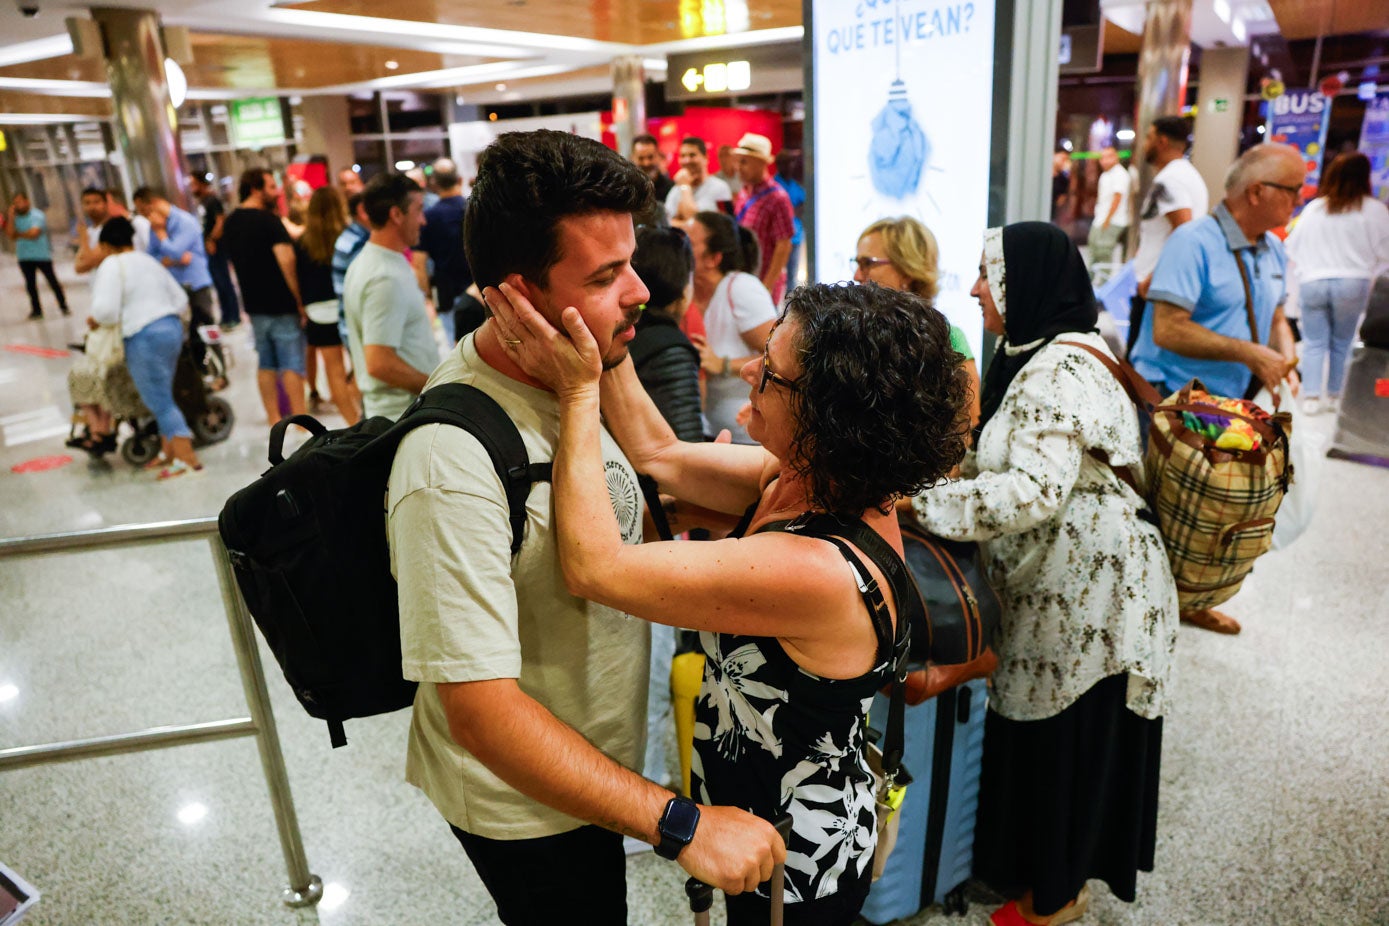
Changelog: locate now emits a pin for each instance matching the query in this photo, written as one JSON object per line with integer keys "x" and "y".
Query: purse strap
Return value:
{"x": 1248, "y": 296}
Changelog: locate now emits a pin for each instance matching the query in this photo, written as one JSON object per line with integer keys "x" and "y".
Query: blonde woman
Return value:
{"x": 902, "y": 254}
{"x": 324, "y": 220}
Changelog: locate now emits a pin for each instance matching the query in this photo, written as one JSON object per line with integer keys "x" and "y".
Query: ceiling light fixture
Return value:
{"x": 392, "y": 65}
{"x": 178, "y": 83}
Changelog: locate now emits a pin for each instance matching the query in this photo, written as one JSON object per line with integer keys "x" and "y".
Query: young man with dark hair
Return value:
{"x": 695, "y": 190}
{"x": 96, "y": 207}
{"x": 646, "y": 154}
{"x": 388, "y": 327}
{"x": 531, "y": 708}
{"x": 258, "y": 246}
{"x": 212, "y": 214}
{"x": 1177, "y": 196}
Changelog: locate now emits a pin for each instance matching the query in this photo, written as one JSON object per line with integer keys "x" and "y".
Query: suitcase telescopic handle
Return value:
{"x": 783, "y": 828}
{"x": 701, "y": 899}
{"x": 702, "y": 895}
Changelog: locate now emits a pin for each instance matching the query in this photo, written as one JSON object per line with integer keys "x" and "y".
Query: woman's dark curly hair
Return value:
{"x": 879, "y": 412}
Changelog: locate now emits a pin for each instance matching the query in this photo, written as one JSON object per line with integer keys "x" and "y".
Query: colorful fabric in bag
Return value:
{"x": 1215, "y": 507}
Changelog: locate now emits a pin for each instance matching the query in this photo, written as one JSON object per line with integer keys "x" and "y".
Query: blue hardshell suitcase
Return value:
{"x": 935, "y": 839}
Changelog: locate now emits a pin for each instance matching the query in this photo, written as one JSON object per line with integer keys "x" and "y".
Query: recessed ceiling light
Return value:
{"x": 8, "y": 692}
{"x": 501, "y": 88}
{"x": 392, "y": 65}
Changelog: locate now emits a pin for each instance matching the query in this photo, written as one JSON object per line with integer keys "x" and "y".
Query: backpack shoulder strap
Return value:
{"x": 910, "y": 609}
{"x": 476, "y": 412}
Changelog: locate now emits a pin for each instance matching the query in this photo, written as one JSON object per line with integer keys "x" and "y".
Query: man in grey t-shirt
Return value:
{"x": 390, "y": 336}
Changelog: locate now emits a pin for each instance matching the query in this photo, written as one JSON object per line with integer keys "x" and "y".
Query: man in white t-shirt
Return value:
{"x": 96, "y": 206}
{"x": 1177, "y": 196}
{"x": 695, "y": 190}
{"x": 1111, "y": 221}
{"x": 531, "y": 709}
{"x": 390, "y": 335}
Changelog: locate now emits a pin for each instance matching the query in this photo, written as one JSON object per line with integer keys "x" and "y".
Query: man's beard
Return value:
{"x": 618, "y": 352}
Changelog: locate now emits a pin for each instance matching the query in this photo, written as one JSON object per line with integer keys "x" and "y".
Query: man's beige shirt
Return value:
{"x": 469, "y": 611}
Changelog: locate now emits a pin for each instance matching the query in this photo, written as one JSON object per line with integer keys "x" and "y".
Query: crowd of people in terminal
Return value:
{"x": 788, "y": 428}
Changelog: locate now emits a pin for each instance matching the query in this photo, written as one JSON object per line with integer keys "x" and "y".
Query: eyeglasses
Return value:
{"x": 767, "y": 373}
{"x": 1294, "y": 191}
{"x": 868, "y": 263}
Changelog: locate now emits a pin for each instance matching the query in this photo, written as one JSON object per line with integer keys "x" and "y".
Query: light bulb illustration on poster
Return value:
{"x": 903, "y": 106}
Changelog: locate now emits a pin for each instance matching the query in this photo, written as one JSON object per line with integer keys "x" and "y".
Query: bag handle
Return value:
{"x": 277, "y": 434}
{"x": 1140, "y": 392}
{"x": 1139, "y": 389}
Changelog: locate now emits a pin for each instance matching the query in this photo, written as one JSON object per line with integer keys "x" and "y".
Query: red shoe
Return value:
{"x": 1010, "y": 915}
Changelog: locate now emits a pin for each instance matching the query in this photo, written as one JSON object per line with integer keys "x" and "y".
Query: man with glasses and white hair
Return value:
{"x": 1216, "y": 300}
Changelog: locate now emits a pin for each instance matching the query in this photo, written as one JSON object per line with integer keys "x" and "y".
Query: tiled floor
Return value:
{"x": 1275, "y": 793}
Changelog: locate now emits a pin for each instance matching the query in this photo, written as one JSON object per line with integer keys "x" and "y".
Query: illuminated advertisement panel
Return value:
{"x": 901, "y": 110}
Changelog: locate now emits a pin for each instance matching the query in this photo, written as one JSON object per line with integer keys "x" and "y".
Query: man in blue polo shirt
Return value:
{"x": 176, "y": 241}
{"x": 1218, "y": 277}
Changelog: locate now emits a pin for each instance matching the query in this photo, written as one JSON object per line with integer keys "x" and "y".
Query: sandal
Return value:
{"x": 179, "y": 468}
{"x": 159, "y": 462}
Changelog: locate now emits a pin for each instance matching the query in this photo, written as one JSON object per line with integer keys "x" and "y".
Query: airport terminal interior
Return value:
{"x": 1274, "y": 792}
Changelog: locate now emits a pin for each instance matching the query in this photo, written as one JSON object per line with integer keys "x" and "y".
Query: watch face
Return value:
{"x": 680, "y": 820}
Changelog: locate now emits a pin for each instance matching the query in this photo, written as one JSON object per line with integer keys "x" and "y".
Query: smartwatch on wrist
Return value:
{"x": 677, "y": 826}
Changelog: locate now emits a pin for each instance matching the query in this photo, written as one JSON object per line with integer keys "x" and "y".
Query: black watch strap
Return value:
{"x": 677, "y": 826}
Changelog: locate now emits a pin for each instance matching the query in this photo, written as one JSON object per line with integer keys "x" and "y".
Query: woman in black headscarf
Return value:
{"x": 1074, "y": 730}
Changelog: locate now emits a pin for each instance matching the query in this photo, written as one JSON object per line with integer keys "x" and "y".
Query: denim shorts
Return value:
{"x": 279, "y": 342}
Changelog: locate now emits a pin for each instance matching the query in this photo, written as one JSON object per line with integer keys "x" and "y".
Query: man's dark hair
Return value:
{"x": 664, "y": 262}
{"x": 695, "y": 141}
{"x": 148, "y": 194}
{"x": 252, "y": 181}
{"x": 93, "y": 191}
{"x": 118, "y": 232}
{"x": 737, "y": 245}
{"x": 387, "y": 191}
{"x": 877, "y": 371}
{"x": 526, "y": 183}
{"x": 1177, "y": 128}
{"x": 353, "y": 202}
{"x": 645, "y": 140}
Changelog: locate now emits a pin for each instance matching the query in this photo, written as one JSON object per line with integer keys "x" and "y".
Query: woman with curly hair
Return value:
{"x": 795, "y": 629}
{"x": 1073, "y": 735}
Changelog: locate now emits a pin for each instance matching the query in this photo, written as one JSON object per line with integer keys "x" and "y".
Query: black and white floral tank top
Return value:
{"x": 774, "y": 739}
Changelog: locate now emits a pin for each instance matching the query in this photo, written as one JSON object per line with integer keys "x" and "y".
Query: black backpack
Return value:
{"x": 307, "y": 542}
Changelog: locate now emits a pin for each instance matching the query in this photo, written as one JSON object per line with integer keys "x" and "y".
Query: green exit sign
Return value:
{"x": 257, "y": 122}
{"x": 1221, "y": 104}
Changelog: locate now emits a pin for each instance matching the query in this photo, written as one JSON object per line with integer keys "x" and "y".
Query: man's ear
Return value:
{"x": 526, "y": 288}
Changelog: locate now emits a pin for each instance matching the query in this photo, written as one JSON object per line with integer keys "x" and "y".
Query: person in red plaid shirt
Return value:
{"x": 763, "y": 206}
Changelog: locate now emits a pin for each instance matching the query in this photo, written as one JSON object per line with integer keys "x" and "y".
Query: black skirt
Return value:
{"x": 1069, "y": 798}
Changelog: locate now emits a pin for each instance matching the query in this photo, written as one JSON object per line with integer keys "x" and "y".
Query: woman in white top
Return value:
{"x": 1338, "y": 243}
{"x": 132, "y": 290}
{"x": 1074, "y": 729}
{"x": 738, "y": 316}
